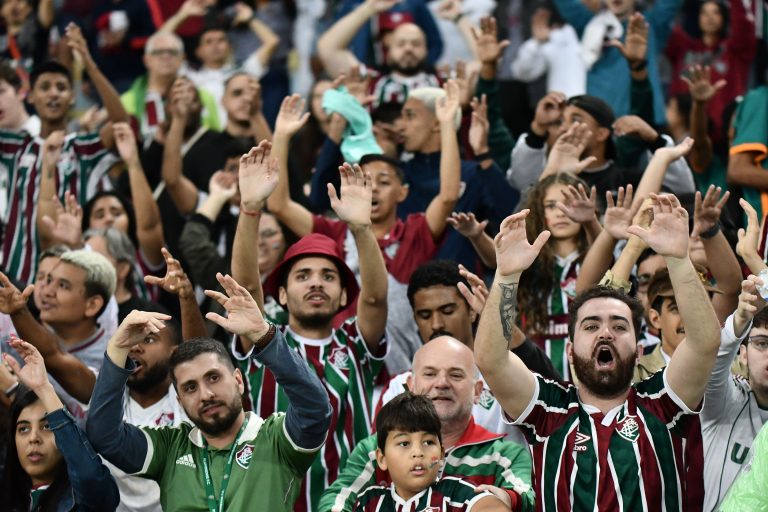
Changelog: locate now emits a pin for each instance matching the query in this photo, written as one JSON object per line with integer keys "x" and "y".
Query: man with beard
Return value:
{"x": 230, "y": 458}
{"x": 406, "y": 54}
{"x": 314, "y": 284}
{"x": 444, "y": 371}
{"x": 615, "y": 444}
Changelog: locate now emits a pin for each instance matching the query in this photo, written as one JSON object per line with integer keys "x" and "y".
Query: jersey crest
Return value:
{"x": 628, "y": 429}
{"x": 486, "y": 399}
{"x": 340, "y": 358}
{"x": 243, "y": 457}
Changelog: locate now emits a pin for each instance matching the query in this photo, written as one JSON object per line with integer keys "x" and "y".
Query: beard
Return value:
{"x": 219, "y": 424}
{"x": 407, "y": 70}
{"x": 604, "y": 383}
{"x": 153, "y": 376}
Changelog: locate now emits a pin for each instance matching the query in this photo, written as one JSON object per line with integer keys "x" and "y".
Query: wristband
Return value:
{"x": 11, "y": 390}
{"x": 639, "y": 66}
{"x": 266, "y": 338}
{"x": 483, "y": 156}
{"x": 711, "y": 232}
{"x": 249, "y": 213}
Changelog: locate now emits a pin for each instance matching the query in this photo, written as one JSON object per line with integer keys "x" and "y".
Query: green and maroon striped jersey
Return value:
{"x": 631, "y": 458}
{"x": 348, "y": 371}
{"x": 80, "y": 168}
{"x": 448, "y": 494}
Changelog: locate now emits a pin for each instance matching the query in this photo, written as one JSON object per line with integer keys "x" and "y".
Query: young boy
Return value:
{"x": 410, "y": 448}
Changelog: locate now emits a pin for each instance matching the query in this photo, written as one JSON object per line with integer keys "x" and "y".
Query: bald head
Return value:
{"x": 445, "y": 351}
{"x": 407, "y": 49}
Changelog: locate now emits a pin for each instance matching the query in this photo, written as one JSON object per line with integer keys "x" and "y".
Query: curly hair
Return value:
{"x": 537, "y": 283}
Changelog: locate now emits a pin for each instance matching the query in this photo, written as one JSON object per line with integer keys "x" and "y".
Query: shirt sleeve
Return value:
{"x": 655, "y": 394}
{"x": 547, "y": 411}
{"x": 720, "y": 383}
{"x": 751, "y": 124}
{"x": 297, "y": 458}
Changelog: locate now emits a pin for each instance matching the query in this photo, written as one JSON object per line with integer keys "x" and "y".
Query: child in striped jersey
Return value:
{"x": 559, "y": 203}
{"x": 410, "y": 448}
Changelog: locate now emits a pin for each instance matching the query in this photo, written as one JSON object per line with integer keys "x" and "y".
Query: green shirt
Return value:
{"x": 751, "y": 135}
{"x": 266, "y": 459}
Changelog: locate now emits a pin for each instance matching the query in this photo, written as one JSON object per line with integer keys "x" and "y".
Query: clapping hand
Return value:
{"x": 513, "y": 252}
{"x": 67, "y": 228}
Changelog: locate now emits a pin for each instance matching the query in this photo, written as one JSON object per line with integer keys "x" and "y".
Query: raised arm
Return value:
{"x": 513, "y": 255}
{"x": 653, "y": 176}
{"x": 68, "y": 370}
{"x": 749, "y": 240}
{"x": 149, "y": 227}
{"x": 183, "y": 192}
{"x": 450, "y": 162}
{"x": 258, "y": 60}
{"x": 691, "y": 365}
{"x": 48, "y": 202}
{"x": 309, "y": 410}
{"x": 721, "y": 259}
{"x": 468, "y": 226}
{"x": 702, "y": 91}
{"x": 567, "y": 150}
{"x": 258, "y": 179}
{"x": 188, "y": 9}
{"x": 354, "y": 208}
{"x": 289, "y": 120}
{"x": 582, "y": 209}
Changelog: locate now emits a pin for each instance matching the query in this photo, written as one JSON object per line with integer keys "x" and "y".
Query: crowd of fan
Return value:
{"x": 383, "y": 255}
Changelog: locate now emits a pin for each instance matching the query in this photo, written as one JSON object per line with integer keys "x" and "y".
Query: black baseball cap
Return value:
{"x": 594, "y": 106}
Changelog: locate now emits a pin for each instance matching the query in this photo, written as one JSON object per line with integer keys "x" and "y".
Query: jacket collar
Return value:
{"x": 475, "y": 434}
{"x": 249, "y": 434}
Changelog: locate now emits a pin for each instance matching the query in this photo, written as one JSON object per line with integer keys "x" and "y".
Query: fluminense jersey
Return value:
{"x": 630, "y": 458}
{"x": 392, "y": 88}
{"x": 730, "y": 421}
{"x": 446, "y": 495}
{"x": 80, "y": 168}
{"x": 348, "y": 371}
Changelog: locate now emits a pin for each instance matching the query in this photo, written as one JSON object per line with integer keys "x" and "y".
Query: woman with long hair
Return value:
{"x": 50, "y": 466}
{"x": 549, "y": 285}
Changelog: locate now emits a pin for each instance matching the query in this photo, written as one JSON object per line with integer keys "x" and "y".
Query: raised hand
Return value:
{"x": 181, "y": 96}
{"x": 243, "y": 315}
{"x": 378, "y": 6}
{"x": 11, "y": 299}
{"x": 243, "y": 14}
{"x": 193, "y": 8}
{"x": 135, "y": 327}
{"x": 578, "y": 206}
{"x": 257, "y": 176}
{"x": 549, "y": 111}
{"x": 749, "y": 240}
{"x": 222, "y": 185}
{"x": 175, "y": 280}
{"x": 675, "y": 152}
{"x": 33, "y": 374}
{"x": 477, "y": 293}
{"x": 700, "y": 83}
{"x": 67, "y": 229}
{"x": 706, "y": 212}
{"x": 77, "y": 44}
{"x": 253, "y": 93}
{"x": 358, "y": 83}
{"x": 479, "y": 126}
{"x": 489, "y": 48}
{"x": 635, "y": 45}
{"x": 566, "y": 153}
{"x": 354, "y": 205}
{"x": 52, "y": 149}
{"x": 466, "y": 224}
{"x": 513, "y": 252}
{"x": 634, "y": 125}
{"x": 126, "y": 143}
{"x": 447, "y": 106}
{"x": 291, "y": 117}
{"x": 449, "y": 9}
{"x": 668, "y": 234}
{"x": 750, "y": 301}
{"x": 618, "y": 216}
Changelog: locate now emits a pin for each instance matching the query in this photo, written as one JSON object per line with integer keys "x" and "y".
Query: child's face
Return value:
{"x": 413, "y": 460}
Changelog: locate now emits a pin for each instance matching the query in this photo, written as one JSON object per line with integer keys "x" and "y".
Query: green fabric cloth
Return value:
{"x": 750, "y": 490}
{"x": 500, "y": 141}
{"x": 751, "y": 135}
{"x": 714, "y": 174}
{"x": 358, "y": 139}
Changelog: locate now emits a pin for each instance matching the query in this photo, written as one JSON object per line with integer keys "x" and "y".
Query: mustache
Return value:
{"x": 437, "y": 334}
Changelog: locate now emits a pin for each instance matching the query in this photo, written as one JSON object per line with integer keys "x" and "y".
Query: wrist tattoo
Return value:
{"x": 508, "y": 308}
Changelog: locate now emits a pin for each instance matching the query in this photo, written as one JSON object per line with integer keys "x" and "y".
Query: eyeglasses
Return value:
{"x": 169, "y": 52}
{"x": 761, "y": 345}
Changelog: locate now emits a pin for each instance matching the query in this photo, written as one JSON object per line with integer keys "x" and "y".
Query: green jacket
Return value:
{"x": 480, "y": 457}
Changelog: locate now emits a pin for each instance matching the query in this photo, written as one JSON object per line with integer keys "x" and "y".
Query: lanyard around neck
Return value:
{"x": 213, "y": 504}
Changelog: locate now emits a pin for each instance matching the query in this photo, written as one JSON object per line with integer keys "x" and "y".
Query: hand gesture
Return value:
{"x": 447, "y": 106}
{"x": 466, "y": 224}
{"x": 77, "y": 44}
{"x": 7, "y": 377}
{"x": 223, "y": 185}
{"x": 618, "y": 216}
{"x": 258, "y": 176}
{"x": 11, "y": 299}
{"x": 92, "y": 119}
{"x": 181, "y": 96}
{"x": 635, "y": 45}
{"x": 578, "y": 206}
{"x": 243, "y": 315}
{"x": 33, "y": 374}
{"x": 67, "y": 229}
{"x": 243, "y": 14}
{"x": 253, "y": 93}
{"x": 449, "y": 9}
{"x": 175, "y": 280}
{"x": 668, "y": 234}
{"x": 706, "y": 212}
{"x": 750, "y": 301}
{"x": 540, "y": 25}
{"x": 566, "y": 153}
{"x": 291, "y": 117}
{"x": 749, "y": 240}
{"x": 136, "y": 327}
{"x": 700, "y": 83}
{"x": 477, "y": 295}
{"x": 489, "y": 48}
{"x": 671, "y": 154}
{"x": 192, "y": 8}
{"x": 549, "y": 111}
{"x": 513, "y": 252}
{"x": 357, "y": 81}
{"x": 378, "y": 6}
{"x": 354, "y": 205}
{"x": 126, "y": 143}
{"x": 52, "y": 149}
{"x": 634, "y": 125}
{"x": 479, "y": 126}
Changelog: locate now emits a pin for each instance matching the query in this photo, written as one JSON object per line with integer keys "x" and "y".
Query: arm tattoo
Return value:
{"x": 508, "y": 308}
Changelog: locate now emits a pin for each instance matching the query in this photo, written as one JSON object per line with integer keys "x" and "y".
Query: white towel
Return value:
{"x": 604, "y": 25}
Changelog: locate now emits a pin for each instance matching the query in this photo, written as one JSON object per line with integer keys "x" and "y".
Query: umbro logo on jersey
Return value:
{"x": 186, "y": 460}
{"x": 580, "y": 442}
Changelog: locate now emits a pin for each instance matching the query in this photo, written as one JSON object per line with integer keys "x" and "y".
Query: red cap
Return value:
{"x": 391, "y": 20}
{"x": 313, "y": 245}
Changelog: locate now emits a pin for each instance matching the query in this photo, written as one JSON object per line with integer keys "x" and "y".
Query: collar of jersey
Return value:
{"x": 607, "y": 417}
{"x": 403, "y": 503}
{"x": 249, "y": 434}
{"x": 310, "y": 341}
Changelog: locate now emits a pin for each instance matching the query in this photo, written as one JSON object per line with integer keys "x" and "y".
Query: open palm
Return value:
{"x": 243, "y": 315}
{"x": 258, "y": 176}
{"x": 291, "y": 117}
{"x": 513, "y": 252}
{"x": 668, "y": 234}
{"x": 354, "y": 205}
